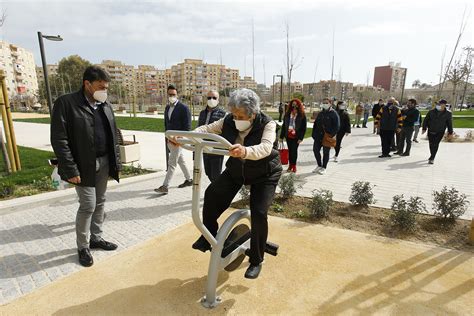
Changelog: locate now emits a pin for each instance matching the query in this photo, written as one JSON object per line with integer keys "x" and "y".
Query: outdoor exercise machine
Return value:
{"x": 232, "y": 241}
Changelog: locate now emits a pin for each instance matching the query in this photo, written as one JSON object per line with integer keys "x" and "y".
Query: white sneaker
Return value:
{"x": 335, "y": 158}
{"x": 316, "y": 170}
{"x": 322, "y": 171}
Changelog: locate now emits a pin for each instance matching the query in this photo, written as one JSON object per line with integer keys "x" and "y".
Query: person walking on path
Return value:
{"x": 367, "y": 110}
{"x": 388, "y": 120}
{"x": 375, "y": 110}
{"x": 359, "y": 110}
{"x": 410, "y": 116}
{"x": 345, "y": 128}
{"x": 293, "y": 130}
{"x": 84, "y": 139}
{"x": 325, "y": 128}
{"x": 177, "y": 117}
{"x": 436, "y": 122}
{"x": 254, "y": 160}
{"x": 417, "y": 126}
{"x": 212, "y": 113}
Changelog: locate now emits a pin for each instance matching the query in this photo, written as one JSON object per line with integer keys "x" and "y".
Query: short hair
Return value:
{"x": 327, "y": 99}
{"x": 95, "y": 73}
{"x": 380, "y": 100}
{"x": 213, "y": 91}
{"x": 412, "y": 100}
{"x": 244, "y": 99}
{"x": 171, "y": 87}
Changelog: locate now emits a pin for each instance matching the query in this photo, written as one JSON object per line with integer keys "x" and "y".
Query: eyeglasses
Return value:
{"x": 212, "y": 98}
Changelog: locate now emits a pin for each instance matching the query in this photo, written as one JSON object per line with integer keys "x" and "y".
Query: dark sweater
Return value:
{"x": 345, "y": 122}
{"x": 102, "y": 137}
{"x": 437, "y": 121}
{"x": 326, "y": 121}
{"x": 410, "y": 117}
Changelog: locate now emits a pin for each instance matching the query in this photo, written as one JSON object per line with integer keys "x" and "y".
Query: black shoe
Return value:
{"x": 85, "y": 257}
{"x": 358, "y": 126}
{"x": 202, "y": 244}
{"x": 102, "y": 244}
{"x": 186, "y": 183}
{"x": 253, "y": 271}
{"x": 405, "y": 154}
{"x": 431, "y": 161}
{"x": 397, "y": 153}
{"x": 162, "y": 190}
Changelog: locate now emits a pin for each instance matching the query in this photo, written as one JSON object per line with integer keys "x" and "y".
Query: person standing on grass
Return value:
{"x": 359, "y": 110}
{"x": 293, "y": 130}
{"x": 84, "y": 139}
{"x": 375, "y": 110}
{"x": 345, "y": 128}
{"x": 410, "y": 116}
{"x": 212, "y": 113}
{"x": 177, "y": 117}
{"x": 367, "y": 109}
{"x": 417, "y": 125}
{"x": 436, "y": 122}
{"x": 388, "y": 120}
{"x": 327, "y": 122}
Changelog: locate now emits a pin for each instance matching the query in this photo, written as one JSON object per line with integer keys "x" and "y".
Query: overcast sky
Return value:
{"x": 162, "y": 33}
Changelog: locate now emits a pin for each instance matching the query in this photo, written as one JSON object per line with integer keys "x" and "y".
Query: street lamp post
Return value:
{"x": 57, "y": 38}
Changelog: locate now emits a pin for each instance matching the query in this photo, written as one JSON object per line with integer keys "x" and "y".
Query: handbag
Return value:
{"x": 284, "y": 154}
{"x": 328, "y": 140}
{"x": 291, "y": 134}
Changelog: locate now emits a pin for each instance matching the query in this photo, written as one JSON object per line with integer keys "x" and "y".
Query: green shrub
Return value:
{"x": 287, "y": 185}
{"x": 404, "y": 212}
{"x": 43, "y": 184}
{"x": 133, "y": 170}
{"x": 361, "y": 193}
{"x": 277, "y": 208}
{"x": 6, "y": 189}
{"x": 449, "y": 203}
{"x": 321, "y": 203}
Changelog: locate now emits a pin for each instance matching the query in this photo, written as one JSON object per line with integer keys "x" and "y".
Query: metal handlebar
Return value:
{"x": 210, "y": 143}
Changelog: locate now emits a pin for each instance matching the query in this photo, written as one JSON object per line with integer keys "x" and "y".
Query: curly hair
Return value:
{"x": 299, "y": 105}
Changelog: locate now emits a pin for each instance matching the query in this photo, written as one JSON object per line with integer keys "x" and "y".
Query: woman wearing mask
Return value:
{"x": 212, "y": 113}
{"x": 255, "y": 161}
{"x": 327, "y": 122}
{"x": 345, "y": 128}
{"x": 293, "y": 130}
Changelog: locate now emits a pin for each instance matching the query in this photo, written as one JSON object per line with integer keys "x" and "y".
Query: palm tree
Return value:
{"x": 416, "y": 84}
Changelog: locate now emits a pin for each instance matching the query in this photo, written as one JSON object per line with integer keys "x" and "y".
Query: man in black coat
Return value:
{"x": 212, "y": 113}
{"x": 177, "y": 117}
{"x": 84, "y": 139}
{"x": 375, "y": 110}
{"x": 410, "y": 116}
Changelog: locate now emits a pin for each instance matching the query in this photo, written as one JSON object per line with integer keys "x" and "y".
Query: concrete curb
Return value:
{"x": 26, "y": 202}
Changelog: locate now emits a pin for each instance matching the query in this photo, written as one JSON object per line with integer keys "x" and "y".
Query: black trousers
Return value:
{"x": 220, "y": 194}
{"x": 405, "y": 136}
{"x": 292, "y": 150}
{"x": 339, "y": 138}
{"x": 213, "y": 166}
{"x": 386, "y": 137}
{"x": 434, "y": 139}
{"x": 318, "y": 143}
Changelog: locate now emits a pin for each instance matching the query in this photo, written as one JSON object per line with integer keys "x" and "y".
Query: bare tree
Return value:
{"x": 3, "y": 17}
{"x": 468, "y": 66}
{"x": 292, "y": 61}
{"x": 456, "y": 74}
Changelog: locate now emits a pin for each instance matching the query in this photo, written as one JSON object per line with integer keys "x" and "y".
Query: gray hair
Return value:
{"x": 244, "y": 99}
{"x": 213, "y": 91}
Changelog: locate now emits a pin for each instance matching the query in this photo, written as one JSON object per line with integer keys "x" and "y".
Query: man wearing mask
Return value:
{"x": 367, "y": 108}
{"x": 177, "y": 117}
{"x": 375, "y": 110}
{"x": 410, "y": 115}
{"x": 436, "y": 122}
{"x": 212, "y": 113}
{"x": 327, "y": 121}
{"x": 388, "y": 120}
{"x": 84, "y": 139}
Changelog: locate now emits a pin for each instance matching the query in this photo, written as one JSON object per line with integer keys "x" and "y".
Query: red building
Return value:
{"x": 391, "y": 78}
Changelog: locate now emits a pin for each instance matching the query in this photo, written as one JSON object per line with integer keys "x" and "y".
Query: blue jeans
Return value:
{"x": 366, "y": 119}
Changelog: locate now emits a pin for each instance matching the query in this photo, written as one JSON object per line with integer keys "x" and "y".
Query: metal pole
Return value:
{"x": 281, "y": 91}
{"x": 49, "y": 99}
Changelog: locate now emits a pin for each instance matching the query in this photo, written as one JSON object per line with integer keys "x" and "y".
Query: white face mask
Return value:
{"x": 100, "y": 96}
{"x": 172, "y": 99}
{"x": 342, "y": 107}
{"x": 325, "y": 106}
{"x": 242, "y": 125}
{"x": 212, "y": 103}
{"x": 438, "y": 107}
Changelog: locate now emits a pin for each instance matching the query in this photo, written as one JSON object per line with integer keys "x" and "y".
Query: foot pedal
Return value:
{"x": 271, "y": 248}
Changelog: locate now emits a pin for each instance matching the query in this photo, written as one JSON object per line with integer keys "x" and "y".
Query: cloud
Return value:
{"x": 300, "y": 38}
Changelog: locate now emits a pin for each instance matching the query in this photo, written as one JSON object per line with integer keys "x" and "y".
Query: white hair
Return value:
{"x": 244, "y": 99}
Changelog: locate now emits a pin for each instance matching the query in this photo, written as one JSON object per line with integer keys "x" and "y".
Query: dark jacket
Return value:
{"x": 216, "y": 114}
{"x": 389, "y": 119}
{"x": 252, "y": 171}
{"x": 300, "y": 126}
{"x": 410, "y": 117}
{"x": 376, "y": 109}
{"x": 72, "y": 138}
{"x": 437, "y": 121}
{"x": 180, "y": 118}
{"x": 345, "y": 121}
{"x": 326, "y": 121}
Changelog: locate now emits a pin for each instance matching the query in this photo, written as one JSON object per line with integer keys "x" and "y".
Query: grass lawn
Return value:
{"x": 135, "y": 123}
{"x": 463, "y": 122}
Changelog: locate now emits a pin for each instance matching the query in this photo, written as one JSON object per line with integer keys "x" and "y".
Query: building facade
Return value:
{"x": 391, "y": 78}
